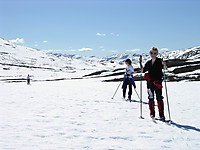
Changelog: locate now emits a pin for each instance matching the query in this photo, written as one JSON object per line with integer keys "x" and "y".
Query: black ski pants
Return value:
{"x": 127, "y": 82}
{"x": 154, "y": 90}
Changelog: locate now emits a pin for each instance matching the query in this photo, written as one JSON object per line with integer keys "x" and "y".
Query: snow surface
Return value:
{"x": 80, "y": 114}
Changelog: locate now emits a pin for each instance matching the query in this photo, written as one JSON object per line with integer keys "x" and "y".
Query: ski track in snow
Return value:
{"x": 80, "y": 114}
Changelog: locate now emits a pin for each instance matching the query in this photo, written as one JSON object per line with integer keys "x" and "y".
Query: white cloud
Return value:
{"x": 164, "y": 49}
{"x": 100, "y": 34}
{"x": 133, "y": 50}
{"x": 113, "y": 51}
{"x": 70, "y": 50}
{"x": 17, "y": 41}
{"x": 36, "y": 45}
{"x": 60, "y": 50}
{"x": 103, "y": 50}
{"x": 85, "y": 49}
{"x": 52, "y": 50}
{"x": 101, "y": 47}
{"x": 44, "y": 41}
{"x": 113, "y": 34}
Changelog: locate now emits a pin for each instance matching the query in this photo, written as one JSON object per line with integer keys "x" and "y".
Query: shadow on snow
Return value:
{"x": 186, "y": 127}
{"x": 183, "y": 127}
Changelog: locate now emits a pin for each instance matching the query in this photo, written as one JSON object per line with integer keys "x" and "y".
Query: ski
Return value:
{"x": 167, "y": 122}
{"x": 141, "y": 117}
{"x": 154, "y": 120}
{"x": 128, "y": 100}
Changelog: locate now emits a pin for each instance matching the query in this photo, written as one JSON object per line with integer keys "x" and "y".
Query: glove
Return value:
{"x": 147, "y": 77}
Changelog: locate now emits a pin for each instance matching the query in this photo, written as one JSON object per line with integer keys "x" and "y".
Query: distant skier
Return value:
{"x": 128, "y": 79}
{"x": 28, "y": 79}
{"x": 154, "y": 79}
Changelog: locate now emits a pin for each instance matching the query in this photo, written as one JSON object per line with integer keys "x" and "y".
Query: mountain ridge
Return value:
{"x": 17, "y": 61}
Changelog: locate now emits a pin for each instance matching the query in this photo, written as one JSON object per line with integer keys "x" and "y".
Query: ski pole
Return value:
{"x": 141, "y": 96}
{"x": 141, "y": 91}
{"x": 167, "y": 96}
{"x": 116, "y": 90}
{"x": 137, "y": 94}
{"x": 135, "y": 90}
{"x": 140, "y": 101}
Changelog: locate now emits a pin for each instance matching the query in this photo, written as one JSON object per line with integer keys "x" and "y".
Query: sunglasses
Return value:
{"x": 153, "y": 53}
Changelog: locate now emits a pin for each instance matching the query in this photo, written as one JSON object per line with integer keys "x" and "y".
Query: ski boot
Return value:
{"x": 153, "y": 118}
{"x": 162, "y": 119}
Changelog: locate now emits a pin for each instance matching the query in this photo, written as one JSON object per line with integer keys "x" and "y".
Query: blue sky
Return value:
{"x": 94, "y": 27}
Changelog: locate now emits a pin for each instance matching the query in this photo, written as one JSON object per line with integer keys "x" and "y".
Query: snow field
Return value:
{"x": 80, "y": 114}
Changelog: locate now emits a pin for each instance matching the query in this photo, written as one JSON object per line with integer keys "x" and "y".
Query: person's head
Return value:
{"x": 128, "y": 62}
{"x": 153, "y": 52}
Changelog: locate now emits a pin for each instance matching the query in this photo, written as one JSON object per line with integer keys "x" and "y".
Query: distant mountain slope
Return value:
{"x": 189, "y": 54}
{"x": 182, "y": 64}
{"x": 18, "y": 61}
{"x": 18, "y": 55}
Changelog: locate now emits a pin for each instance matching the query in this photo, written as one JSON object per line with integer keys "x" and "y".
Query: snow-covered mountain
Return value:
{"x": 186, "y": 54}
{"x": 190, "y": 53}
{"x": 182, "y": 64}
{"x": 17, "y": 61}
{"x": 116, "y": 58}
{"x": 19, "y": 55}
